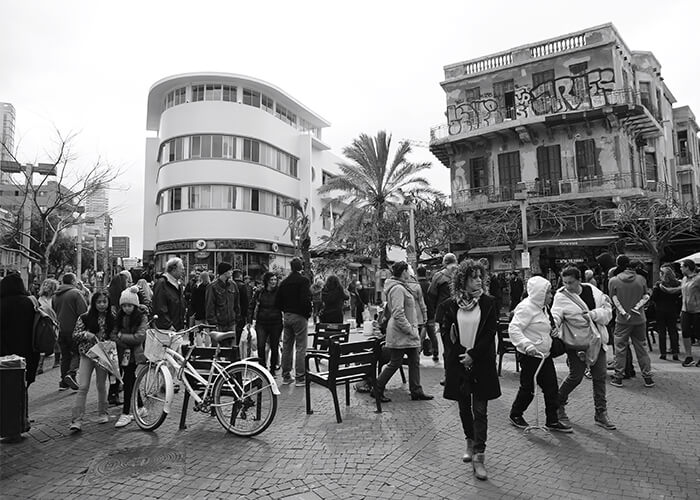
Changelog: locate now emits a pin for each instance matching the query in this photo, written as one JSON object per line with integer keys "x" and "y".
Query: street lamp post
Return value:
{"x": 411, "y": 253}
{"x": 521, "y": 197}
{"x": 79, "y": 215}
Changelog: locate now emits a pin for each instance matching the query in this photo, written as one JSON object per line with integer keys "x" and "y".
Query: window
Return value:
{"x": 179, "y": 149}
{"x": 180, "y": 96}
{"x": 212, "y": 92}
{"x": 548, "y": 170}
{"x": 216, "y": 146}
{"x": 509, "y": 173}
{"x": 544, "y": 93}
{"x": 659, "y": 115}
{"x": 285, "y": 115}
{"x": 650, "y": 163}
{"x": 197, "y": 93}
{"x": 229, "y": 93}
{"x": 222, "y": 197}
{"x": 580, "y": 89}
{"x": 195, "y": 146}
{"x": 267, "y": 103}
{"x": 206, "y": 146}
{"x": 478, "y": 175}
{"x": 587, "y": 167}
{"x": 229, "y": 147}
{"x": 251, "y": 150}
{"x": 251, "y": 98}
{"x": 176, "y": 199}
{"x": 645, "y": 94}
{"x": 504, "y": 92}
{"x": 325, "y": 177}
{"x": 472, "y": 94}
{"x": 255, "y": 200}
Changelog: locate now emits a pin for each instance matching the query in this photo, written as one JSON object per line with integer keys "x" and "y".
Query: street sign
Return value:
{"x": 120, "y": 246}
{"x": 526, "y": 260}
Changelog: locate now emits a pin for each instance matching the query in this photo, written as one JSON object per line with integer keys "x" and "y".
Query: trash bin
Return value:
{"x": 13, "y": 396}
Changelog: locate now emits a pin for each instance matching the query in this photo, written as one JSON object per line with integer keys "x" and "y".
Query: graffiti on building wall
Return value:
{"x": 590, "y": 90}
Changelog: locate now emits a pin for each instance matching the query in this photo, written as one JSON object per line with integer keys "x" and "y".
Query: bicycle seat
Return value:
{"x": 219, "y": 336}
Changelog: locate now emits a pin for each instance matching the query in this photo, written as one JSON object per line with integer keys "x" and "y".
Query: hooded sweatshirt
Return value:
{"x": 530, "y": 325}
{"x": 627, "y": 290}
{"x": 402, "y": 329}
{"x": 69, "y": 305}
{"x": 417, "y": 292}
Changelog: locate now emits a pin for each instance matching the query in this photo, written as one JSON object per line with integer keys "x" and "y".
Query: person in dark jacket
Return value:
{"x": 16, "y": 330}
{"x": 333, "y": 297}
{"x": 168, "y": 300}
{"x": 517, "y": 287}
{"x": 117, "y": 285}
{"x": 667, "y": 307}
{"x": 223, "y": 307}
{"x": 267, "y": 320}
{"x": 294, "y": 300}
{"x": 439, "y": 290}
{"x": 68, "y": 304}
{"x": 469, "y": 321}
{"x": 199, "y": 298}
{"x": 430, "y": 323}
{"x": 357, "y": 304}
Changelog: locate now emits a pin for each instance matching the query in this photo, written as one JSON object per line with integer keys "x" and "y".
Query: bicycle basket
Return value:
{"x": 156, "y": 342}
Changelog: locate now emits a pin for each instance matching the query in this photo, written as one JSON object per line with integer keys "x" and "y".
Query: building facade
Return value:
{"x": 579, "y": 121}
{"x": 687, "y": 149}
{"x": 230, "y": 153}
{"x": 7, "y": 135}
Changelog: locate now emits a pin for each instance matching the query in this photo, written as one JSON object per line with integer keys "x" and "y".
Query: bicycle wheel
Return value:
{"x": 151, "y": 397}
{"x": 243, "y": 400}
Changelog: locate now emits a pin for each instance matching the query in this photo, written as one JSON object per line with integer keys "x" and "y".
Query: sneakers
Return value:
{"x": 663, "y": 356}
{"x": 123, "y": 420}
{"x": 561, "y": 415}
{"x": 687, "y": 362}
{"x": 518, "y": 421}
{"x": 70, "y": 382}
{"x": 649, "y": 382}
{"x": 421, "y": 396}
{"x": 616, "y": 381}
{"x": 559, "y": 427}
{"x": 300, "y": 383}
{"x": 102, "y": 419}
{"x": 675, "y": 357}
{"x": 76, "y": 426}
{"x": 62, "y": 386}
{"x": 602, "y": 420}
{"x": 287, "y": 380}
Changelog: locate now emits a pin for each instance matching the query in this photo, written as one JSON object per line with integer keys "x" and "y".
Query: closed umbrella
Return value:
{"x": 105, "y": 355}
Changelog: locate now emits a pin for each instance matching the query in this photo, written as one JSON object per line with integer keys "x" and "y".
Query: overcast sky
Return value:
{"x": 87, "y": 66}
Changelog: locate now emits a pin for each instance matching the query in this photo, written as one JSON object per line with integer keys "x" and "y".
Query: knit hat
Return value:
{"x": 130, "y": 296}
{"x": 223, "y": 267}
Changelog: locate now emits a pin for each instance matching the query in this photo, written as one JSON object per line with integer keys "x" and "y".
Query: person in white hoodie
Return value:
{"x": 582, "y": 306}
{"x": 531, "y": 332}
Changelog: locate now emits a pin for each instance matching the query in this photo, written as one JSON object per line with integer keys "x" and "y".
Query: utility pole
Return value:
{"x": 107, "y": 262}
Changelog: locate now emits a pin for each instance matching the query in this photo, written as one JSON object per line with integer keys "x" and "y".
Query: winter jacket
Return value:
{"x": 168, "y": 304}
{"x": 198, "y": 301}
{"x": 430, "y": 308}
{"x": 132, "y": 336}
{"x": 628, "y": 290}
{"x": 264, "y": 310}
{"x": 402, "y": 328}
{"x": 100, "y": 330}
{"x": 333, "y": 301}
{"x": 243, "y": 298}
{"x": 17, "y": 325}
{"x": 68, "y": 304}
{"x": 666, "y": 301}
{"x": 482, "y": 379}
{"x": 530, "y": 325}
{"x": 294, "y": 295}
{"x": 421, "y": 309}
{"x": 439, "y": 290}
{"x": 566, "y": 310}
{"x": 691, "y": 293}
{"x": 223, "y": 305}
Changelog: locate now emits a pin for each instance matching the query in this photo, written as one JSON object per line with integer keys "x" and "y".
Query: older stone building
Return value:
{"x": 576, "y": 123}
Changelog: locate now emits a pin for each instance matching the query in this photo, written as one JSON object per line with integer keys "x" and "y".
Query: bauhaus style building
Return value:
{"x": 230, "y": 152}
{"x": 580, "y": 119}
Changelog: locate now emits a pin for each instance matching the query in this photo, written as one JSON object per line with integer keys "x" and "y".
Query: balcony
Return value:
{"x": 684, "y": 159}
{"x": 561, "y": 190}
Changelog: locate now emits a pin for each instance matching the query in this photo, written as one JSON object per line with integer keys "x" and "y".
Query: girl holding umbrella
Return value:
{"x": 469, "y": 319}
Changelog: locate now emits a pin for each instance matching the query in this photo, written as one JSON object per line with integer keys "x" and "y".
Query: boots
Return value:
{"x": 470, "y": 451}
{"x": 479, "y": 469}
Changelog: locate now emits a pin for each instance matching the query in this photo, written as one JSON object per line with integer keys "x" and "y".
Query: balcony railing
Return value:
{"x": 488, "y": 112}
{"x": 684, "y": 159}
{"x": 547, "y": 188}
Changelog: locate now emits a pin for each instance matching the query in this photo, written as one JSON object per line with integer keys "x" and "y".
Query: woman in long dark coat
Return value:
{"x": 469, "y": 320}
{"x": 334, "y": 298}
{"x": 16, "y": 330}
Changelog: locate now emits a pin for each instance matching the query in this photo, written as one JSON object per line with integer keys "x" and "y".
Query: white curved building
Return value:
{"x": 230, "y": 151}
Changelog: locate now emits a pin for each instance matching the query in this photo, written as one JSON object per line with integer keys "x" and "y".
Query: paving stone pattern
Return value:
{"x": 412, "y": 450}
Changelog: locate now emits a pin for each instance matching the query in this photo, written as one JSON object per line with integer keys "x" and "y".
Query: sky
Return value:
{"x": 86, "y": 67}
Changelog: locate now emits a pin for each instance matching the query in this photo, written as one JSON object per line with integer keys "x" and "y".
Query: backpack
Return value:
{"x": 45, "y": 328}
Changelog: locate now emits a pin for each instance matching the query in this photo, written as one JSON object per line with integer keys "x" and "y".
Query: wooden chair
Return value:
{"x": 325, "y": 332}
{"x": 505, "y": 346}
{"x": 347, "y": 362}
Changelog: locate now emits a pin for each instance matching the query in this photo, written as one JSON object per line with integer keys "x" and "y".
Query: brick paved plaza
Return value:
{"x": 411, "y": 450}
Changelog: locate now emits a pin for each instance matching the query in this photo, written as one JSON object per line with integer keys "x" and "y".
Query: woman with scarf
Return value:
{"x": 666, "y": 297}
{"x": 468, "y": 319}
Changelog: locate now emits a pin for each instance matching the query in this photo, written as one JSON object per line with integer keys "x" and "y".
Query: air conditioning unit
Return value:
{"x": 608, "y": 217}
{"x": 566, "y": 187}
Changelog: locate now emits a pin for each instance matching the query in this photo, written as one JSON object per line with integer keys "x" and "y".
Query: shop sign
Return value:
{"x": 202, "y": 255}
{"x": 573, "y": 260}
{"x": 234, "y": 244}
{"x": 568, "y": 243}
{"x": 504, "y": 262}
{"x": 170, "y": 246}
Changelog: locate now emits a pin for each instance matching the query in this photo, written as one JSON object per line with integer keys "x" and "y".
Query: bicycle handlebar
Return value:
{"x": 180, "y": 332}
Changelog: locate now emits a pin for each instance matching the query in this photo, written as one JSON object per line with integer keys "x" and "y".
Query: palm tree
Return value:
{"x": 374, "y": 187}
{"x": 299, "y": 227}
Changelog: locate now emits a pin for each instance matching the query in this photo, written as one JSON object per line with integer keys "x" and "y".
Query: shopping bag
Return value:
{"x": 366, "y": 316}
{"x": 104, "y": 354}
{"x": 248, "y": 345}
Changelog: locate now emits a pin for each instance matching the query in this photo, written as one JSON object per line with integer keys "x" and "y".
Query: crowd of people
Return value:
{"x": 461, "y": 304}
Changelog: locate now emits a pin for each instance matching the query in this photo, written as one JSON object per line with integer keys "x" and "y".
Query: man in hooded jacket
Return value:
{"x": 69, "y": 304}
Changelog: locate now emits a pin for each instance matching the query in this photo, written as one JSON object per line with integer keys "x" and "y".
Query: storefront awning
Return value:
{"x": 584, "y": 241}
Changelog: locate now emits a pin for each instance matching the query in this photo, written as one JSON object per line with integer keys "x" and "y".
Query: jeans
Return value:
{"x": 84, "y": 376}
{"x": 394, "y": 364}
{"x": 70, "y": 360}
{"x": 639, "y": 340}
{"x": 666, "y": 323}
{"x": 547, "y": 380}
{"x": 472, "y": 412}
{"x": 576, "y": 371}
{"x": 429, "y": 329}
{"x": 272, "y": 334}
{"x": 295, "y": 332}
{"x": 129, "y": 378}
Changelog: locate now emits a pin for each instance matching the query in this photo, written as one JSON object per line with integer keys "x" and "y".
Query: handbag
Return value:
{"x": 558, "y": 348}
{"x": 574, "y": 339}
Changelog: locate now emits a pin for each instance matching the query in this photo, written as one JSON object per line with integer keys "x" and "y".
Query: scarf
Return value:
{"x": 469, "y": 300}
